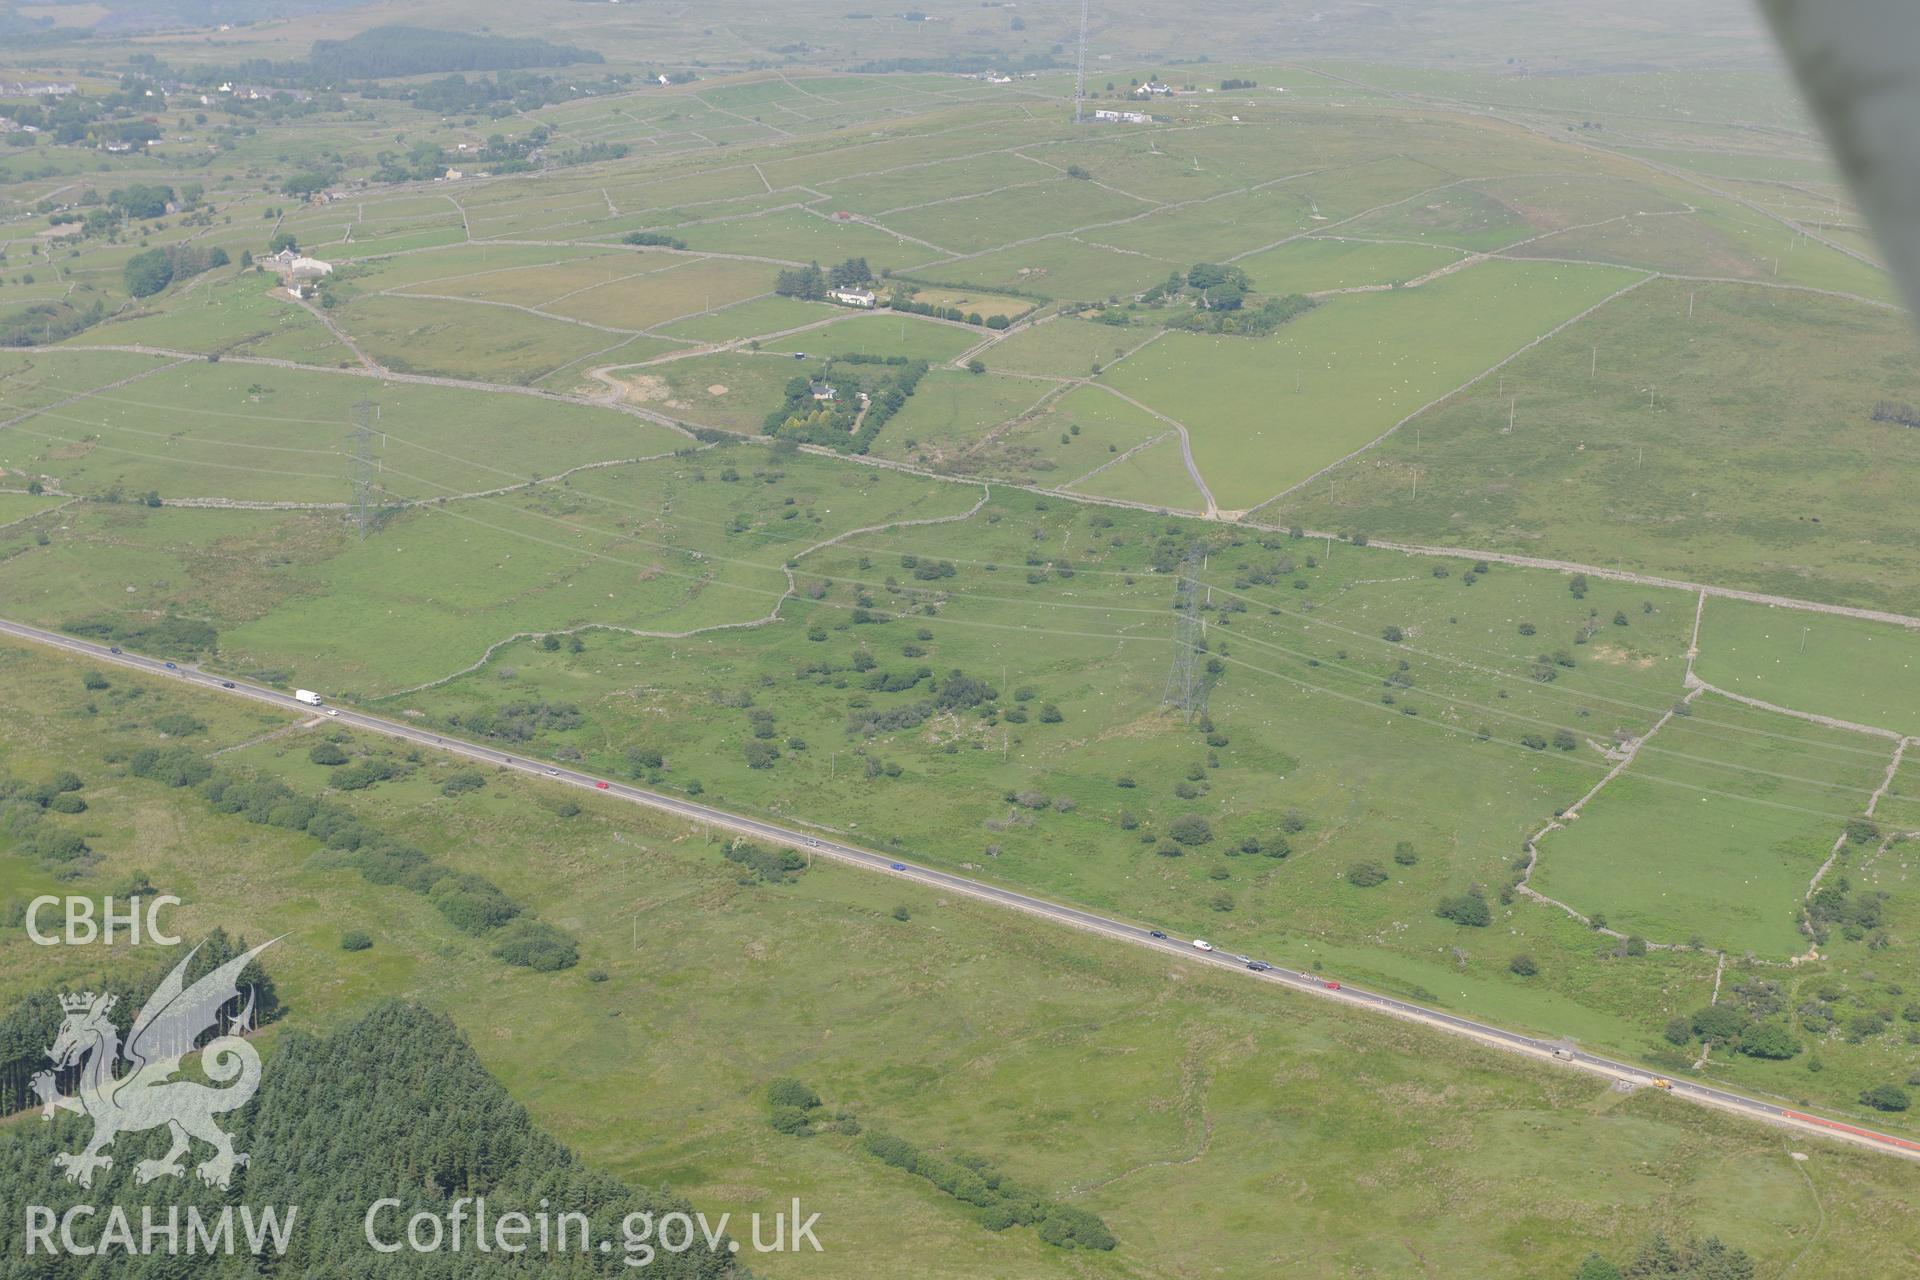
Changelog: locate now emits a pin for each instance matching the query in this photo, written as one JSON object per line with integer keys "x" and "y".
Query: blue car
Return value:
{"x": 897, "y": 866}
{"x": 1156, "y": 933}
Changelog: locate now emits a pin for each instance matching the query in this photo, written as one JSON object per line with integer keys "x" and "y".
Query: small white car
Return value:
{"x": 1201, "y": 944}
{"x": 333, "y": 711}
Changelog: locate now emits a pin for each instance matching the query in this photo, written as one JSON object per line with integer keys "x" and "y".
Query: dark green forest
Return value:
{"x": 394, "y": 1106}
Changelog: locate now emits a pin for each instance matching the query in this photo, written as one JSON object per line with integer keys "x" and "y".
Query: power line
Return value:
{"x": 1186, "y": 690}
{"x": 1080, "y": 71}
{"x": 362, "y": 469}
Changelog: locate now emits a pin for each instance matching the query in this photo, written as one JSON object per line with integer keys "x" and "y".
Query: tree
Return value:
{"x": 976, "y": 365}
{"x": 141, "y": 200}
{"x": 1523, "y": 965}
{"x": 807, "y": 283}
{"x": 284, "y": 240}
{"x": 853, "y": 271}
{"x": 1224, "y": 297}
{"x": 1708, "y": 1259}
{"x": 94, "y": 681}
{"x": 1404, "y": 854}
{"x": 1720, "y": 1023}
{"x": 1769, "y": 1040}
{"x": 1597, "y": 1268}
{"x": 146, "y": 274}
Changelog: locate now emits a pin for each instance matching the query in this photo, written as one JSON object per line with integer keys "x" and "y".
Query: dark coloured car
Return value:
{"x": 1156, "y": 933}
{"x": 1258, "y": 966}
{"x": 226, "y": 684}
{"x": 173, "y": 666}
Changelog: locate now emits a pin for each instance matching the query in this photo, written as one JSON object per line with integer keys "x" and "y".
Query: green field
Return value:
{"x": 1685, "y": 845}
{"x": 1267, "y": 413}
{"x": 1865, "y": 672}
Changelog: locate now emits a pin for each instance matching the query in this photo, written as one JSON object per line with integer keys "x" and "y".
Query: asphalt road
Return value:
{"x": 1317, "y": 985}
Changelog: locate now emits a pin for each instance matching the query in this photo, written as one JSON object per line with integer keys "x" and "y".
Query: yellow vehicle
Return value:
{"x": 1661, "y": 1082}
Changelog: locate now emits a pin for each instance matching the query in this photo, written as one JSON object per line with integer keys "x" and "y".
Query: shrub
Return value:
{"x": 473, "y": 905}
{"x": 786, "y": 1091}
{"x": 790, "y": 1120}
{"x": 1885, "y": 1097}
{"x": 1404, "y": 855}
{"x": 177, "y": 724}
{"x": 1468, "y": 909}
{"x": 1523, "y": 965}
{"x": 463, "y": 781}
{"x": 1190, "y": 829}
{"x": 1366, "y": 874}
{"x": 532, "y": 944}
{"x": 355, "y": 940}
{"x": 1067, "y": 1227}
{"x": 173, "y": 766}
{"x": 327, "y": 753}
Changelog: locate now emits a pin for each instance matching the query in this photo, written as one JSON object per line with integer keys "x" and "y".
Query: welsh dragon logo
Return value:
{"x": 146, "y": 1095}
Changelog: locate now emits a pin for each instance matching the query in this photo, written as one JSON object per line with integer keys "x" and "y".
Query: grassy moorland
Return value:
{"x": 1623, "y": 440}
{"x": 960, "y": 644}
{"x": 1133, "y": 1088}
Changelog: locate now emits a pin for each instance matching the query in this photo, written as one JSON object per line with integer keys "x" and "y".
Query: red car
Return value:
{"x": 601, "y": 785}
{"x": 1333, "y": 986}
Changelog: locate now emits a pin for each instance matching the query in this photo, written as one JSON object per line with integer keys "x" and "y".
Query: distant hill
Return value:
{"x": 408, "y": 51}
